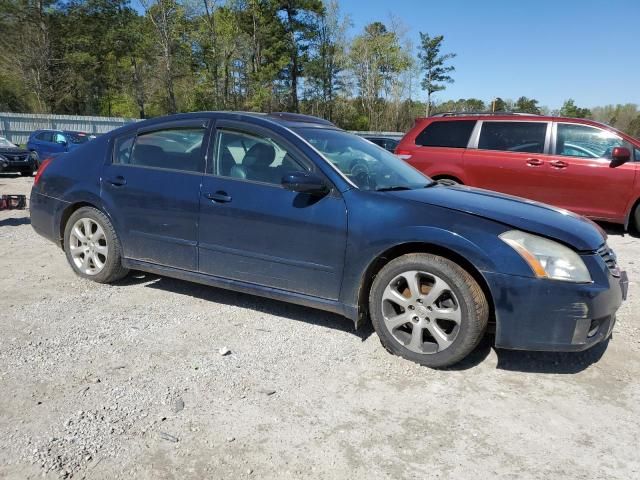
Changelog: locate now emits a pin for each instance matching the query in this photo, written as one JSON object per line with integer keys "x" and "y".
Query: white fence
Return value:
{"x": 16, "y": 127}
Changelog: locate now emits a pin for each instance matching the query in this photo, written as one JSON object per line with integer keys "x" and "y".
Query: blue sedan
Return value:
{"x": 292, "y": 208}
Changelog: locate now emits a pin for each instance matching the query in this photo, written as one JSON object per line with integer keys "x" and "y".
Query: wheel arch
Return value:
{"x": 71, "y": 209}
{"x": 629, "y": 220}
{"x": 447, "y": 177}
{"x": 418, "y": 247}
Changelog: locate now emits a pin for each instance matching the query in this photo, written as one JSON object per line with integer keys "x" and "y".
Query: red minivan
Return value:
{"x": 576, "y": 164}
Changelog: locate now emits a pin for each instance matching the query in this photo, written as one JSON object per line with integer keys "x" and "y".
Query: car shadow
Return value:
{"x": 617, "y": 230}
{"x": 550, "y": 362}
{"x": 509, "y": 360}
{"x": 532, "y": 362}
{"x": 15, "y": 222}
{"x": 252, "y": 302}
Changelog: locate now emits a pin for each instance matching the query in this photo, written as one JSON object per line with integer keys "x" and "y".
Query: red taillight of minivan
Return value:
{"x": 403, "y": 154}
{"x": 45, "y": 163}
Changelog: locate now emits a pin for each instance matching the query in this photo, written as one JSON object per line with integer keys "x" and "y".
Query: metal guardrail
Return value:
{"x": 16, "y": 127}
{"x": 396, "y": 135}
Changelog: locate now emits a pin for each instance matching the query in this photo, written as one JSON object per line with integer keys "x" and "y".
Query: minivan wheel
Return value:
{"x": 636, "y": 218}
{"x": 428, "y": 309}
{"x": 449, "y": 182}
{"x": 92, "y": 246}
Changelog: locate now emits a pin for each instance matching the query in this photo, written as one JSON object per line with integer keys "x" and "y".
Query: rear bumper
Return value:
{"x": 46, "y": 213}
{"x": 547, "y": 315}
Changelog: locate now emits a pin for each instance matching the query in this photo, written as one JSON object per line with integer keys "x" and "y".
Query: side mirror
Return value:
{"x": 304, "y": 182}
{"x": 619, "y": 156}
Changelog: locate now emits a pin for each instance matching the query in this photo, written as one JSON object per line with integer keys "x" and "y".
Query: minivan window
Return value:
{"x": 588, "y": 142}
{"x": 513, "y": 136}
{"x": 175, "y": 149}
{"x": 452, "y": 134}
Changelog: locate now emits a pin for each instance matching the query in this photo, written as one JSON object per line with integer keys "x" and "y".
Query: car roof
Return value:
{"x": 518, "y": 117}
{"x": 289, "y": 120}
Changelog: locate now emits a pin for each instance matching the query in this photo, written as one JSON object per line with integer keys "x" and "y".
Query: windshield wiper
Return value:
{"x": 393, "y": 188}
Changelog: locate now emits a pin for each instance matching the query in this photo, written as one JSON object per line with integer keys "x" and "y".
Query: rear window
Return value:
{"x": 452, "y": 134}
{"x": 78, "y": 138}
{"x": 513, "y": 136}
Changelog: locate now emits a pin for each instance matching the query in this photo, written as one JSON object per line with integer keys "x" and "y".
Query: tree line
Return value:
{"x": 105, "y": 57}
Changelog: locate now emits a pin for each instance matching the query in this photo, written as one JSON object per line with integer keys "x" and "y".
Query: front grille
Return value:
{"x": 610, "y": 259}
{"x": 23, "y": 157}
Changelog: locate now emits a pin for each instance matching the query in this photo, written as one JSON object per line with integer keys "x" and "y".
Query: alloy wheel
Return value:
{"x": 88, "y": 246}
{"x": 421, "y": 311}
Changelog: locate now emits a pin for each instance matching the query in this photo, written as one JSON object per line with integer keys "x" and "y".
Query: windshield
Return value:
{"x": 4, "y": 143}
{"x": 368, "y": 166}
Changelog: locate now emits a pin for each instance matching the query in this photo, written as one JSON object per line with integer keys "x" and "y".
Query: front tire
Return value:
{"x": 92, "y": 246}
{"x": 428, "y": 309}
{"x": 27, "y": 173}
{"x": 448, "y": 182}
{"x": 636, "y": 218}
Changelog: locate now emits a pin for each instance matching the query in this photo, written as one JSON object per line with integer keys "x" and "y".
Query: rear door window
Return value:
{"x": 45, "y": 137}
{"x": 526, "y": 137}
{"x": 450, "y": 134}
{"x": 172, "y": 148}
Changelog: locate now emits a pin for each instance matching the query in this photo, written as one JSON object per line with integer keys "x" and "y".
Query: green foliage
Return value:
{"x": 461, "y": 105}
{"x": 103, "y": 57}
{"x": 527, "y": 105}
{"x": 436, "y": 72}
{"x": 569, "y": 109}
{"x": 376, "y": 59}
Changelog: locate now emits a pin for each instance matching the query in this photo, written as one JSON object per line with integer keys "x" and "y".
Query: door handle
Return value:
{"x": 118, "y": 181}
{"x": 558, "y": 164}
{"x": 218, "y": 197}
{"x": 534, "y": 162}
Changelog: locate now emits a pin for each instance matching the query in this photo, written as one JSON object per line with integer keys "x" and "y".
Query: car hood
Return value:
{"x": 522, "y": 214}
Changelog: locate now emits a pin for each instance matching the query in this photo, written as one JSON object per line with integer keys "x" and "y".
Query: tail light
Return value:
{"x": 45, "y": 163}
{"x": 403, "y": 154}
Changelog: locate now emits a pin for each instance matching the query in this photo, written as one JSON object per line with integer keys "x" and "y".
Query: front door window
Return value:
{"x": 583, "y": 141}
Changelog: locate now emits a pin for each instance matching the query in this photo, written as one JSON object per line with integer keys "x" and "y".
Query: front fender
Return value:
{"x": 476, "y": 239}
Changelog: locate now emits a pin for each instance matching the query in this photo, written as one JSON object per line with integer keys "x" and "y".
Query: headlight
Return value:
{"x": 547, "y": 259}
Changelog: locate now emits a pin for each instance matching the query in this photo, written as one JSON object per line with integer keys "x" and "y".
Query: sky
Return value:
{"x": 551, "y": 50}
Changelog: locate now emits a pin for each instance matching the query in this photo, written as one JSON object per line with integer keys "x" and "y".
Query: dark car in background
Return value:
{"x": 14, "y": 159}
{"x": 50, "y": 143}
{"x": 577, "y": 164}
{"x": 388, "y": 143}
{"x": 290, "y": 207}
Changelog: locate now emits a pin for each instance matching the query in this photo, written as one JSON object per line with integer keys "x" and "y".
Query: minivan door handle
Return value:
{"x": 219, "y": 197}
{"x": 117, "y": 181}
{"x": 558, "y": 164}
{"x": 534, "y": 162}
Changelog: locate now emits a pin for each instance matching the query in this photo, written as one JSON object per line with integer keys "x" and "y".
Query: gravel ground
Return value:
{"x": 128, "y": 381}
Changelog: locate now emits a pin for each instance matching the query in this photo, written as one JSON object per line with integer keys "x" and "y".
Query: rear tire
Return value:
{"x": 27, "y": 173}
{"x": 92, "y": 246}
{"x": 428, "y": 309}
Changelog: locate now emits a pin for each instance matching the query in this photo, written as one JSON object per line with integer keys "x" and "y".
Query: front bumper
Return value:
{"x": 548, "y": 315}
{"x": 19, "y": 163}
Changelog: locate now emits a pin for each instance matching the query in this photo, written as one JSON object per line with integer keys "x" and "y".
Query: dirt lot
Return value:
{"x": 127, "y": 381}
